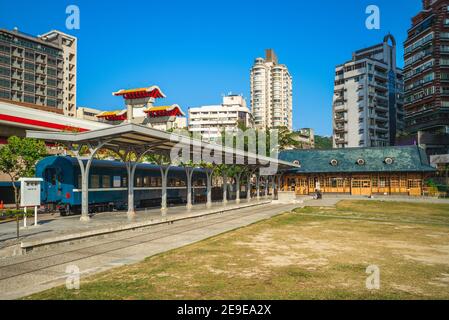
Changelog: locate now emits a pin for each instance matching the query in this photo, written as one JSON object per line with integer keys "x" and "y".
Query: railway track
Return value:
{"x": 46, "y": 259}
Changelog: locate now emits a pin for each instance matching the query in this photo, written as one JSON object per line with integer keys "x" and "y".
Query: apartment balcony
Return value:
{"x": 381, "y": 107}
{"x": 16, "y": 96}
{"x": 40, "y": 101}
{"x": 340, "y": 107}
{"x": 40, "y": 90}
{"x": 40, "y": 70}
{"x": 381, "y": 128}
{"x": 17, "y": 64}
{"x": 71, "y": 67}
{"x": 17, "y": 87}
{"x": 339, "y": 140}
{"x": 340, "y": 129}
{"x": 380, "y": 74}
{"x": 40, "y": 80}
{"x": 379, "y": 86}
{"x": 381, "y": 97}
{"x": 17, "y": 75}
{"x": 382, "y": 117}
{"x": 19, "y": 53}
{"x": 340, "y": 119}
{"x": 41, "y": 59}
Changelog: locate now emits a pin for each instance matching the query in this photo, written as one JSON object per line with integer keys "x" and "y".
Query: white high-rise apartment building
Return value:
{"x": 211, "y": 121}
{"x": 271, "y": 93}
{"x": 368, "y": 98}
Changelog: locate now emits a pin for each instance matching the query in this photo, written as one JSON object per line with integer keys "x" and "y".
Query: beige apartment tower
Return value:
{"x": 271, "y": 93}
{"x": 39, "y": 70}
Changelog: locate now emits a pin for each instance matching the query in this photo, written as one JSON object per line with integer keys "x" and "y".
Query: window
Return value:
{"x": 51, "y": 71}
{"x": 4, "y": 48}
{"x": 29, "y": 55}
{"x": 106, "y": 181}
{"x": 51, "y": 103}
{"x": 116, "y": 181}
{"x": 29, "y": 66}
{"x": 51, "y": 92}
{"x": 384, "y": 182}
{"x": 95, "y": 181}
{"x": 5, "y": 94}
{"x": 29, "y": 88}
{"x": 29, "y": 99}
{"x": 412, "y": 184}
{"x": 51, "y": 82}
{"x": 5, "y": 60}
{"x": 29, "y": 77}
{"x": 5, "y": 83}
{"x": 139, "y": 182}
{"x": 5, "y": 71}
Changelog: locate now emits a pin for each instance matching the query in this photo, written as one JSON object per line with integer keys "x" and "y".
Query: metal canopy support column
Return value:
{"x": 131, "y": 171}
{"x": 250, "y": 176}
{"x": 85, "y": 169}
{"x": 267, "y": 180}
{"x": 189, "y": 174}
{"x": 278, "y": 185}
{"x": 248, "y": 186}
{"x": 225, "y": 188}
{"x": 237, "y": 178}
{"x": 273, "y": 187}
{"x": 84, "y": 189}
{"x": 209, "y": 174}
{"x": 164, "y": 175}
{"x": 258, "y": 186}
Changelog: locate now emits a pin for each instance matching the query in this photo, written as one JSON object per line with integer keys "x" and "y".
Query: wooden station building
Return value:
{"x": 358, "y": 171}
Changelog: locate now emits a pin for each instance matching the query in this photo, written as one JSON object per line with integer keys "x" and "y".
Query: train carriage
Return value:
{"x": 108, "y": 185}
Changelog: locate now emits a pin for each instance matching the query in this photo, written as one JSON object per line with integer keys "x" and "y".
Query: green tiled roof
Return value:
{"x": 405, "y": 159}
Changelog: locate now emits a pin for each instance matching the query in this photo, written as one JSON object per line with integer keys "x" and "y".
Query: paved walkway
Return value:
{"x": 332, "y": 200}
{"x": 41, "y": 270}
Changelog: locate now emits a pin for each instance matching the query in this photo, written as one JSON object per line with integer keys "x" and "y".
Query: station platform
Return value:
{"x": 60, "y": 230}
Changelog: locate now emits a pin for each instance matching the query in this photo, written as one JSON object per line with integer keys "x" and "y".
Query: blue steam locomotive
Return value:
{"x": 61, "y": 188}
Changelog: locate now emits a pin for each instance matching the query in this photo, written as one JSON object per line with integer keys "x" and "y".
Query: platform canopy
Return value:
{"x": 141, "y": 138}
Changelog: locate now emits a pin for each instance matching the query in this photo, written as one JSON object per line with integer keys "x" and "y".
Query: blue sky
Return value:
{"x": 198, "y": 50}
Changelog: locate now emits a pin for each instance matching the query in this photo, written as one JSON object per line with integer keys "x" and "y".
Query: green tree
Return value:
{"x": 286, "y": 139}
{"x": 18, "y": 159}
{"x": 323, "y": 143}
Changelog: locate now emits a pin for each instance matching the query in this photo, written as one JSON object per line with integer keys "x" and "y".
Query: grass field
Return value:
{"x": 312, "y": 253}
